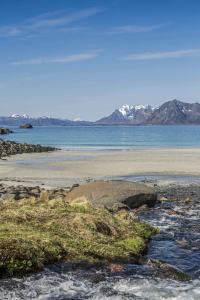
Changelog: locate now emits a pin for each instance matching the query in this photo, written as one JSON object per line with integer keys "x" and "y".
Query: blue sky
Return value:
{"x": 85, "y": 58}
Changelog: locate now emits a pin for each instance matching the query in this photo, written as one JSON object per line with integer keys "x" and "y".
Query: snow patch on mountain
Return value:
{"x": 125, "y": 109}
{"x": 28, "y": 117}
{"x": 128, "y": 111}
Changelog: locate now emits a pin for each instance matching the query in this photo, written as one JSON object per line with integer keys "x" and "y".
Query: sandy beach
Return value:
{"x": 64, "y": 168}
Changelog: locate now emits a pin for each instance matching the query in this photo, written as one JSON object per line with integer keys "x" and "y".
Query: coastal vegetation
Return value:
{"x": 38, "y": 231}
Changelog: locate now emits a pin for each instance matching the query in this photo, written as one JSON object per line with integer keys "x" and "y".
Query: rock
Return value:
{"x": 74, "y": 186}
{"x": 5, "y": 130}
{"x": 181, "y": 243}
{"x": 176, "y": 273}
{"x": 165, "y": 270}
{"x": 113, "y": 195}
{"x": 35, "y": 191}
{"x": 115, "y": 268}
{"x": 8, "y": 148}
{"x": 12, "y": 191}
{"x": 8, "y": 196}
{"x": 187, "y": 199}
{"x": 164, "y": 207}
{"x": 24, "y": 195}
{"x": 164, "y": 199}
{"x": 143, "y": 207}
{"x": 132, "y": 217}
{"x": 155, "y": 263}
{"x": 173, "y": 212}
{"x": 27, "y": 125}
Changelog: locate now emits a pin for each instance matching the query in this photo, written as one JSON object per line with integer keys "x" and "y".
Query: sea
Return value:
{"x": 108, "y": 137}
{"x": 178, "y": 243}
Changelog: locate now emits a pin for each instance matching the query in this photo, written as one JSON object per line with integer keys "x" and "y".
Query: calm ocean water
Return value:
{"x": 109, "y": 137}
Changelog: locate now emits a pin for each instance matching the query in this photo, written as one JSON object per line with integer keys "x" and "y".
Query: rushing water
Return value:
{"x": 109, "y": 137}
{"x": 178, "y": 244}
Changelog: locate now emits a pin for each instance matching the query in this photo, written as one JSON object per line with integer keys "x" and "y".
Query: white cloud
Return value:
{"x": 61, "y": 59}
{"x": 135, "y": 28}
{"x": 162, "y": 55}
{"x": 42, "y": 23}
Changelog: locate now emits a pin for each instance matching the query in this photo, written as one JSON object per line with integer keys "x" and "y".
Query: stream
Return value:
{"x": 178, "y": 244}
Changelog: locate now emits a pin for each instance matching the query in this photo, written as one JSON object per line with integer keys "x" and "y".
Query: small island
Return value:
{"x": 26, "y": 126}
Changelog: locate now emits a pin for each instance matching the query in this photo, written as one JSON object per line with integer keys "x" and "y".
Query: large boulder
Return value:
{"x": 27, "y": 125}
{"x": 114, "y": 195}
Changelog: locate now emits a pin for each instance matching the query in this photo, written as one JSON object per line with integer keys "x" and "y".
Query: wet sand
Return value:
{"x": 64, "y": 168}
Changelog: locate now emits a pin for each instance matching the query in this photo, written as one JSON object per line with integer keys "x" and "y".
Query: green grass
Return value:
{"x": 34, "y": 232}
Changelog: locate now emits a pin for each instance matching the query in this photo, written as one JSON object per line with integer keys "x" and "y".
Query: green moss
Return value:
{"x": 36, "y": 232}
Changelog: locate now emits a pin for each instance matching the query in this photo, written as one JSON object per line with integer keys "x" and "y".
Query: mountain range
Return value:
{"x": 172, "y": 112}
{"x": 17, "y": 120}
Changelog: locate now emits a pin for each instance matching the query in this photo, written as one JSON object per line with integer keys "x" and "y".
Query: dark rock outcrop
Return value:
{"x": 114, "y": 195}
{"x": 8, "y": 148}
{"x": 164, "y": 270}
{"x": 27, "y": 125}
{"x": 5, "y": 130}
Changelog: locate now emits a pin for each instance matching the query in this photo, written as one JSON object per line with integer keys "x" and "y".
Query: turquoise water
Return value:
{"x": 109, "y": 137}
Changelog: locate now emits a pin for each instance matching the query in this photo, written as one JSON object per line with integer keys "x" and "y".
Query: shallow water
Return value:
{"x": 178, "y": 244}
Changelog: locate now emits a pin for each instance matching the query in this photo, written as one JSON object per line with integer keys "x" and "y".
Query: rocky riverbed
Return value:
{"x": 8, "y": 148}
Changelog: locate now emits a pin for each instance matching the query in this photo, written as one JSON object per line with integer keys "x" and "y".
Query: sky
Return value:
{"x": 86, "y": 58}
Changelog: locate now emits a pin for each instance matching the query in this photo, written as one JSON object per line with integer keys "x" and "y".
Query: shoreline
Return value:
{"x": 64, "y": 168}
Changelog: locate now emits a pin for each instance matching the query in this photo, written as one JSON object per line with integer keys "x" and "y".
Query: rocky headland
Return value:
{"x": 8, "y": 148}
{"x": 4, "y": 130}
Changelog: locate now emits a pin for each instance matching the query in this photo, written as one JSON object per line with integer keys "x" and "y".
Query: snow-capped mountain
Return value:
{"x": 170, "y": 113}
{"x": 28, "y": 117}
{"x": 175, "y": 112}
{"x": 18, "y": 120}
{"x": 127, "y": 114}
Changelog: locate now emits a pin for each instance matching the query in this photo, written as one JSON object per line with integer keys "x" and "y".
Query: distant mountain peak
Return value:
{"x": 125, "y": 109}
{"x": 16, "y": 119}
{"x": 175, "y": 112}
{"x": 127, "y": 114}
